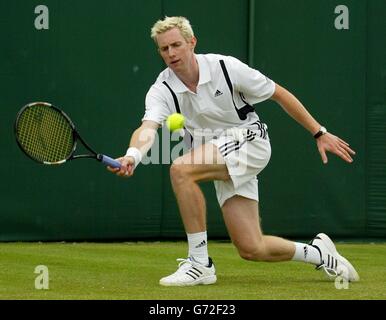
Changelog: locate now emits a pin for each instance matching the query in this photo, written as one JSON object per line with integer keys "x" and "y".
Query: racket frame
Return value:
{"x": 75, "y": 136}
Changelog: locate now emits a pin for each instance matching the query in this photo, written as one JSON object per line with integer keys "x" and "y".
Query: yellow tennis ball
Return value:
{"x": 175, "y": 122}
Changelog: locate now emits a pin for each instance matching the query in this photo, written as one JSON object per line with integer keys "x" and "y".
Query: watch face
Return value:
{"x": 323, "y": 130}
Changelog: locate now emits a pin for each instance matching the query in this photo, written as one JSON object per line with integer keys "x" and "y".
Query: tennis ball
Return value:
{"x": 175, "y": 122}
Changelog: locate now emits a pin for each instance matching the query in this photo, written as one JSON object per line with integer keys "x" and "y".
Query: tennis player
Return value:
{"x": 215, "y": 93}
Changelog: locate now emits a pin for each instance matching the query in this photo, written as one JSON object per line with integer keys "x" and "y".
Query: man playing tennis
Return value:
{"x": 215, "y": 93}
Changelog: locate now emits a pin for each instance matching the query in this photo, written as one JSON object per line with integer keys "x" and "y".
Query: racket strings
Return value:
{"x": 45, "y": 134}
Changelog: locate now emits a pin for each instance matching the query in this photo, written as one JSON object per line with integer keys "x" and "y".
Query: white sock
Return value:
{"x": 306, "y": 253}
{"x": 198, "y": 247}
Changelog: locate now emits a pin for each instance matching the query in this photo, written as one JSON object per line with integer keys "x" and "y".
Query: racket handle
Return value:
{"x": 109, "y": 161}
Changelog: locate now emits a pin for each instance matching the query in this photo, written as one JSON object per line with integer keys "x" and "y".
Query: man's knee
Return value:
{"x": 255, "y": 252}
{"x": 179, "y": 172}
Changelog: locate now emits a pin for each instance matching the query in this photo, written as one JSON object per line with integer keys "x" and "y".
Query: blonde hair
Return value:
{"x": 169, "y": 23}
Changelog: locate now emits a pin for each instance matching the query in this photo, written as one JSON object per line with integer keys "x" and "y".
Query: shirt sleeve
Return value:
{"x": 252, "y": 83}
{"x": 156, "y": 106}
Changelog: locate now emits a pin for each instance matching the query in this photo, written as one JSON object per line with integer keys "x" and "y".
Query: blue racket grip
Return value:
{"x": 110, "y": 161}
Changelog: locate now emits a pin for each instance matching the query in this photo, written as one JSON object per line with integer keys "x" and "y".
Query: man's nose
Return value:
{"x": 171, "y": 52}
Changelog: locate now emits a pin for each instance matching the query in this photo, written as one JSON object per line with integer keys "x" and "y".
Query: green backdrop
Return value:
{"x": 97, "y": 61}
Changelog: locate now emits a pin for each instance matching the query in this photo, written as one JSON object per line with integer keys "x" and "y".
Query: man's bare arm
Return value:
{"x": 327, "y": 142}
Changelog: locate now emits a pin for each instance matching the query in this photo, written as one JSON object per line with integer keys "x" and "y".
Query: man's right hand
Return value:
{"x": 127, "y": 167}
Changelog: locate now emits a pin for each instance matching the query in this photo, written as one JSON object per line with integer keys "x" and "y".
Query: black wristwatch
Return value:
{"x": 321, "y": 132}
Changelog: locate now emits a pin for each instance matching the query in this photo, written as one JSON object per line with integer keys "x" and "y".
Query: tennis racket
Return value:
{"x": 47, "y": 135}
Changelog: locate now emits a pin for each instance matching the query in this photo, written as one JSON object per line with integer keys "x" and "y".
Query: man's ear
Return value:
{"x": 193, "y": 42}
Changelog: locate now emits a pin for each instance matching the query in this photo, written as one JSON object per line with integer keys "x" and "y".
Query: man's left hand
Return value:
{"x": 329, "y": 142}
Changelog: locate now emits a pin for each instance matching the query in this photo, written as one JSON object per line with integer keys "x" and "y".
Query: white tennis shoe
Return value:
{"x": 191, "y": 273}
{"x": 332, "y": 262}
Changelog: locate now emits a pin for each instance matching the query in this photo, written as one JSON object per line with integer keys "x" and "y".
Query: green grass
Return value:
{"x": 132, "y": 271}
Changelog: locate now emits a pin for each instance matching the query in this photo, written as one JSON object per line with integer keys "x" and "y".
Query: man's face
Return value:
{"x": 175, "y": 50}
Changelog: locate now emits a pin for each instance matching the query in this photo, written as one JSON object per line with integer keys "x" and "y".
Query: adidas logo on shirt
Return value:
{"x": 218, "y": 93}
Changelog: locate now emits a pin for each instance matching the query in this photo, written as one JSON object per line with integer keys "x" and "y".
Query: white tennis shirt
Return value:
{"x": 212, "y": 108}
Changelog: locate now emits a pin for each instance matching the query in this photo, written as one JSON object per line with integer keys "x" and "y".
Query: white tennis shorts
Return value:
{"x": 246, "y": 154}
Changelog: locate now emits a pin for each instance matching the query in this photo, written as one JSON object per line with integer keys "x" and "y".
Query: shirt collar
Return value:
{"x": 203, "y": 67}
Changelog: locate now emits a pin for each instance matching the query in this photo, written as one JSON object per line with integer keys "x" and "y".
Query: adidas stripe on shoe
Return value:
{"x": 191, "y": 273}
{"x": 332, "y": 262}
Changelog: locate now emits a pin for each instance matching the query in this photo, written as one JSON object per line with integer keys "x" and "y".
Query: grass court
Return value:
{"x": 131, "y": 271}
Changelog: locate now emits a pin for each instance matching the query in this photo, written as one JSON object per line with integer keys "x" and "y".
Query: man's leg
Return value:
{"x": 241, "y": 216}
{"x": 203, "y": 163}
{"x": 242, "y": 220}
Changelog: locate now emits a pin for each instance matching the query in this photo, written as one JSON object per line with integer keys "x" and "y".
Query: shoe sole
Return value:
{"x": 353, "y": 274}
{"x": 204, "y": 281}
